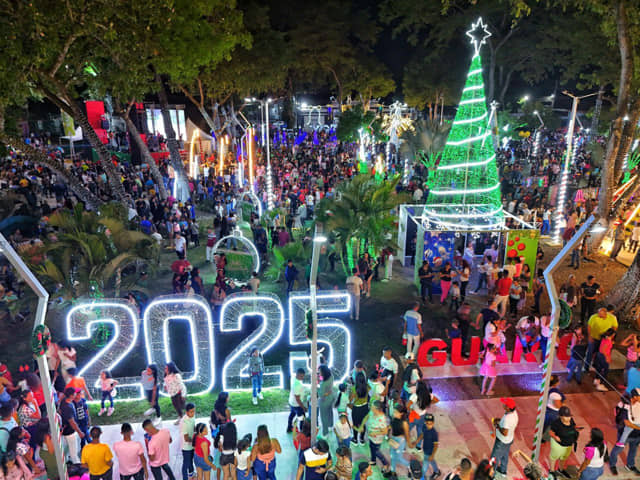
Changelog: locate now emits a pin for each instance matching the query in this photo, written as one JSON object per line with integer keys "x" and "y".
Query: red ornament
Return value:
{"x": 521, "y": 246}
{"x": 513, "y": 253}
{"x": 517, "y": 239}
{"x": 510, "y": 243}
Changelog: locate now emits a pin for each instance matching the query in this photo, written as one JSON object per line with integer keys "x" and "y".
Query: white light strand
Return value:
{"x": 474, "y": 72}
{"x": 470, "y": 120}
{"x": 467, "y": 164}
{"x": 472, "y": 100}
{"x": 469, "y": 140}
{"x": 464, "y": 192}
{"x": 461, "y": 215}
{"x": 472, "y": 87}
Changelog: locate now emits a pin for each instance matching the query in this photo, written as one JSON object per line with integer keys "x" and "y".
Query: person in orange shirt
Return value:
{"x": 78, "y": 382}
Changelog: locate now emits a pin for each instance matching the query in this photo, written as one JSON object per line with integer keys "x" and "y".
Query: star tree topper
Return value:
{"x": 478, "y": 35}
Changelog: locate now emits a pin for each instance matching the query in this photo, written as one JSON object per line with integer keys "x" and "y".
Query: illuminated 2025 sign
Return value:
{"x": 82, "y": 320}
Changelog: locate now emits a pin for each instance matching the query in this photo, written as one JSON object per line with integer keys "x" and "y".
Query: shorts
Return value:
{"x": 558, "y": 452}
{"x": 226, "y": 459}
{"x": 201, "y": 464}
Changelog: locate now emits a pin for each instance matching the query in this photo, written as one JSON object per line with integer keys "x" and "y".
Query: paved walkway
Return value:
{"x": 464, "y": 427}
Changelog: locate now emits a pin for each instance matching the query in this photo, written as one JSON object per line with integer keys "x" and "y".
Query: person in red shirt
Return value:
{"x": 502, "y": 297}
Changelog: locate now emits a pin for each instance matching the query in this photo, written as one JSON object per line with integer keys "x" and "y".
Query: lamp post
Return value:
{"x": 264, "y": 104}
{"x": 318, "y": 241}
{"x": 562, "y": 189}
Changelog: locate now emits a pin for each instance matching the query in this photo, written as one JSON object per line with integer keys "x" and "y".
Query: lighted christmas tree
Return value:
{"x": 465, "y": 189}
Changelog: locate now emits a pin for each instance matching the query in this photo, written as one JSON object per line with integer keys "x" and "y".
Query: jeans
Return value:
{"x": 358, "y": 412}
{"x": 501, "y": 304}
{"x": 575, "y": 368}
{"x": 264, "y": 472}
{"x": 187, "y": 464}
{"x": 374, "y": 449}
{"x": 575, "y": 258}
{"x": 601, "y": 365}
{"x": 592, "y": 347}
{"x": 355, "y": 306}
{"x": 591, "y": 473}
{"x": 290, "y": 285}
{"x": 545, "y": 227}
{"x": 108, "y": 475}
{"x": 256, "y": 383}
{"x": 397, "y": 453}
{"x": 178, "y": 402}
{"x": 344, "y": 442}
{"x": 418, "y": 423}
{"x": 157, "y": 472}
{"x": 293, "y": 413}
{"x": 463, "y": 289}
{"x": 501, "y": 453}
{"x": 482, "y": 281}
{"x": 136, "y": 476}
{"x": 426, "y": 289}
{"x": 149, "y": 395}
{"x": 413, "y": 343}
{"x": 106, "y": 395}
{"x": 633, "y": 443}
{"x": 588, "y": 309}
{"x": 429, "y": 463}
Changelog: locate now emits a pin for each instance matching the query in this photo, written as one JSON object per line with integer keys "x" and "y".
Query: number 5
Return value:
{"x": 331, "y": 332}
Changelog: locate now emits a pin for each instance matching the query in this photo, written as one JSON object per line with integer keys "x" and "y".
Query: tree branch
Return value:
{"x": 63, "y": 53}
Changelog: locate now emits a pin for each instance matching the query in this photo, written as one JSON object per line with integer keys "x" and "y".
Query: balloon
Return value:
{"x": 521, "y": 246}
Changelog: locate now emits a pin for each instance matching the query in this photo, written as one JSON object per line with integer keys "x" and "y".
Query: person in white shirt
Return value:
{"x": 389, "y": 366}
{"x": 354, "y": 287}
{"x": 413, "y": 329}
{"x": 417, "y": 194}
{"x": 505, "y": 430}
{"x": 180, "y": 245}
{"x": 635, "y": 238}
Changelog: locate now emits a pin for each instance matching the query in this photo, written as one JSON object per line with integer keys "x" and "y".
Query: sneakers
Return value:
{"x": 110, "y": 411}
{"x": 601, "y": 388}
{"x": 260, "y": 396}
{"x": 149, "y": 411}
{"x": 254, "y": 400}
{"x": 614, "y": 470}
{"x": 101, "y": 412}
{"x": 436, "y": 475}
{"x": 158, "y": 421}
{"x": 632, "y": 469}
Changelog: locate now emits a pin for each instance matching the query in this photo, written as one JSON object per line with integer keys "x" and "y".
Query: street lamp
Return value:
{"x": 562, "y": 191}
{"x": 525, "y": 99}
{"x": 264, "y": 105}
{"x": 318, "y": 241}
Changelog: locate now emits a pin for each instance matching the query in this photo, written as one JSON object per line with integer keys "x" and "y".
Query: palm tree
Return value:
{"x": 426, "y": 141}
{"x": 361, "y": 217}
{"x": 90, "y": 250}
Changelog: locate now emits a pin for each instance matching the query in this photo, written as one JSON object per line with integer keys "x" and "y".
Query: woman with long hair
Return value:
{"x": 359, "y": 403}
{"x": 326, "y": 399}
{"x": 202, "y": 452}
{"x": 485, "y": 470}
{"x": 150, "y": 384}
{"x": 419, "y": 403}
{"x": 465, "y": 274}
{"x": 377, "y": 426}
{"x": 263, "y": 454}
{"x": 399, "y": 437}
{"x": 176, "y": 389}
{"x": 220, "y": 414}
{"x": 595, "y": 452}
{"x": 227, "y": 443}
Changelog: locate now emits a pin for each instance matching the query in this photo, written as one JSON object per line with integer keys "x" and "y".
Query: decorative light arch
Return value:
{"x": 239, "y": 237}
{"x": 253, "y": 198}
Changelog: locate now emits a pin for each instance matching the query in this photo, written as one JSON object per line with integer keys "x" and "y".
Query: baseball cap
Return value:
{"x": 429, "y": 417}
{"x": 508, "y": 402}
{"x": 564, "y": 411}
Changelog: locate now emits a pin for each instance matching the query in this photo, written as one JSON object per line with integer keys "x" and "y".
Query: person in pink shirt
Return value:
{"x": 603, "y": 359}
{"x": 131, "y": 460}
{"x": 158, "y": 449}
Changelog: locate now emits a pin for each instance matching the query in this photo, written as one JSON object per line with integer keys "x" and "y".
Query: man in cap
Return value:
{"x": 505, "y": 430}
{"x": 628, "y": 415}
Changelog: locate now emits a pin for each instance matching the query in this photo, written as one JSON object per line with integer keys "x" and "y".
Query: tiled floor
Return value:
{"x": 464, "y": 428}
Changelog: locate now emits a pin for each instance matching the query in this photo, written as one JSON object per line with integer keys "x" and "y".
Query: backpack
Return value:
{"x": 623, "y": 404}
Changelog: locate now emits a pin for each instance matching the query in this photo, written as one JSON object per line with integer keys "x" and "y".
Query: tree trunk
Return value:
{"x": 613, "y": 145}
{"x": 628, "y": 131}
{"x": 113, "y": 177}
{"x": 174, "y": 149}
{"x": 90, "y": 200}
{"x": 625, "y": 294}
{"x": 146, "y": 155}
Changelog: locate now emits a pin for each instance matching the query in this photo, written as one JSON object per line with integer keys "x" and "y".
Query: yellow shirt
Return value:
{"x": 599, "y": 325}
{"x": 96, "y": 456}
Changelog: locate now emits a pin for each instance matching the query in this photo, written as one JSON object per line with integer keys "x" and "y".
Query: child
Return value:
{"x": 243, "y": 462}
{"x": 343, "y": 398}
{"x": 488, "y": 369}
{"x": 429, "y": 438}
{"x": 108, "y": 385}
{"x": 302, "y": 437}
{"x": 343, "y": 466}
{"x": 343, "y": 430}
{"x": 632, "y": 344}
{"x": 603, "y": 359}
{"x": 455, "y": 296}
{"x": 256, "y": 369}
{"x": 578, "y": 353}
{"x": 82, "y": 416}
{"x": 454, "y": 332}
